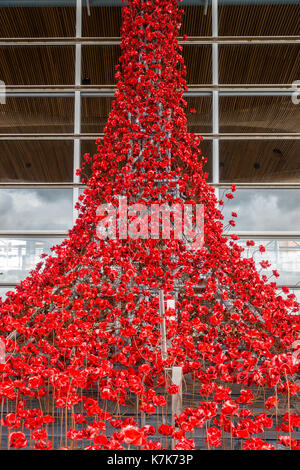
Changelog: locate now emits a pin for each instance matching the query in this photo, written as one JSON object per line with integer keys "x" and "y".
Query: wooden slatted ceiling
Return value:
{"x": 54, "y": 65}
{"x": 234, "y": 20}
{"x": 259, "y": 114}
{"x": 31, "y": 22}
{"x": 37, "y": 65}
{"x": 259, "y": 20}
{"x": 269, "y": 161}
{"x": 52, "y": 161}
{"x": 37, "y": 115}
{"x": 252, "y": 114}
{"x": 98, "y": 63}
{"x": 33, "y": 161}
{"x": 106, "y": 21}
{"x": 257, "y": 63}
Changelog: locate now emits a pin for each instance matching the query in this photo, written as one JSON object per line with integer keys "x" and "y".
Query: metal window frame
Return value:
{"x": 115, "y": 41}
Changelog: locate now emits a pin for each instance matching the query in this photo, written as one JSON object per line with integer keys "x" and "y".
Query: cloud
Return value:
{"x": 36, "y": 209}
{"x": 265, "y": 209}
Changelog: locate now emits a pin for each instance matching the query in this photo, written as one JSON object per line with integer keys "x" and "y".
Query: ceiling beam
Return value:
{"x": 61, "y": 3}
{"x": 115, "y": 41}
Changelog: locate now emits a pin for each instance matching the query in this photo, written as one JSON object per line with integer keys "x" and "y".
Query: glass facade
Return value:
{"x": 19, "y": 255}
{"x": 57, "y": 63}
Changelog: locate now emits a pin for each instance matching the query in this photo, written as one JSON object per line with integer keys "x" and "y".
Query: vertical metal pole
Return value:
{"x": 163, "y": 326}
{"x": 77, "y": 104}
{"x": 215, "y": 97}
{"x": 88, "y": 7}
{"x": 176, "y": 399}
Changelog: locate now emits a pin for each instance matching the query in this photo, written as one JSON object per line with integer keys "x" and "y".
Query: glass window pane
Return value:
{"x": 198, "y": 64}
{"x": 257, "y": 18}
{"x": 104, "y": 21}
{"x": 260, "y": 161}
{"x": 18, "y": 256}
{"x": 36, "y": 161}
{"x": 98, "y": 64}
{"x": 264, "y": 209}
{"x": 259, "y": 114}
{"x": 258, "y": 63}
{"x": 37, "y": 65}
{"x": 40, "y": 21}
{"x": 4, "y": 290}
{"x": 34, "y": 115}
{"x": 283, "y": 254}
{"x": 36, "y": 209}
{"x": 297, "y": 294}
{"x": 201, "y": 120}
{"x": 206, "y": 149}
{"x": 196, "y": 20}
{"x": 94, "y": 113}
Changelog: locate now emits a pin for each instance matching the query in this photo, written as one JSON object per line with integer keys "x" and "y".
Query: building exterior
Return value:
{"x": 57, "y": 63}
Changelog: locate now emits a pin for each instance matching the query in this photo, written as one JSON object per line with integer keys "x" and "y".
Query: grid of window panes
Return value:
{"x": 57, "y": 64}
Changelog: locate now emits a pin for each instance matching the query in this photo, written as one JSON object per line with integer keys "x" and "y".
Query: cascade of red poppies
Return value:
{"x": 88, "y": 350}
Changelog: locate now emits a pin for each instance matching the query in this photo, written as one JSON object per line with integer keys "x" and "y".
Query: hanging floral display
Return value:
{"x": 129, "y": 338}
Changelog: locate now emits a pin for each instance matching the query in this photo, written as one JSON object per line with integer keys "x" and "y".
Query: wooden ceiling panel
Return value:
{"x": 98, "y": 63}
{"x": 260, "y": 161}
{"x": 201, "y": 121}
{"x": 36, "y": 161}
{"x": 36, "y": 115}
{"x": 249, "y": 64}
{"x": 259, "y": 114}
{"x": 30, "y": 22}
{"x": 37, "y": 65}
{"x": 106, "y": 21}
{"x": 103, "y": 21}
{"x": 198, "y": 64}
{"x": 241, "y": 20}
{"x": 259, "y": 63}
{"x": 256, "y": 19}
{"x": 195, "y": 22}
{"x": 94, "y": 113}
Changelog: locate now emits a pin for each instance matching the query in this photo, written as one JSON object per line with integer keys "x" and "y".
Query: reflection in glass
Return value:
{"x": 18, "y": 256}
{"x": 4, "y": 290}
{"x": 297, "y": 294}
{"x": 283, "y": 254}
{"x": 264, "y": 209}
{"x": 36, "y": 209}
